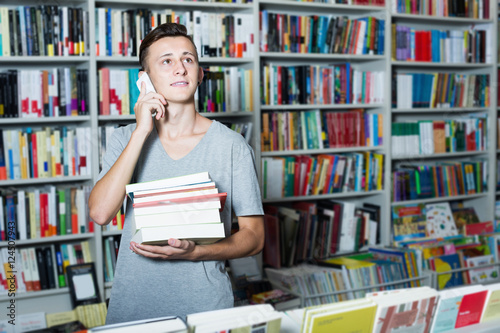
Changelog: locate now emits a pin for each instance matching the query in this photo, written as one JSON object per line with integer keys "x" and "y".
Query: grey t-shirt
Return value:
{"x": 148, "y": 288}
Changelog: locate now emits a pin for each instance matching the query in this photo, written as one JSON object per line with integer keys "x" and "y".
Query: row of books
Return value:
{"x": 42, "y": 267}
{"x": 111, "y": 245}
{"x": 29, "y": 153}
{"x": 460, "y": 260}
{"x": 225, "y": 89}
{"x": 335, "y": 278}
{"x": 120, "y": 32}
{"x": 427, "y": 137}
{"x": 479, "y": 9}
{"x": 321, "y": 174}
{"x": 182, "y": 207}
{"x": 44, "y": 30}
{"x": 44, "y": 212}
{"x": 317, "y": 230}
{"x": 440, "y": 90}
{"x": 449, "y": 46}
{"x": 351, "y": 2}
{"x": 117, "y": 89}
{"x": 418, "y": 310}
{"x": 296, "y": 130}
{"x": 44, "y": 93}
{"x": 320, "y": 84}
{"x": 320, "y": 34}
{"x": 419, "y": 220}
{"x": 413, "y": 181}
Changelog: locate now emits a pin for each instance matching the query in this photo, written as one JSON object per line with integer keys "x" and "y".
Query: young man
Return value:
{"x": 181, "y": 278}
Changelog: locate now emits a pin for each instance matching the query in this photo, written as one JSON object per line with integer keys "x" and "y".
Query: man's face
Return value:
{"x": 174, "y": 69}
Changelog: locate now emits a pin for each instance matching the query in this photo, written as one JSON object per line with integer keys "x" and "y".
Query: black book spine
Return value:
{"x": 34, "y": 31}
{"x": 42, "y": 269}
{"x": 17, "y": 18}
{"x": 71, "y": 39}
{"x": 133, "y": 33}
{"x": 12, "y": 77}
{"x": 51, "y": 278}
{"x": 55, "y": 29}
{"x": 48, "y": 29}
{"x": 3, "y": 98}
{"x": 12, "y": 30}
{"x": 9, "y": 97}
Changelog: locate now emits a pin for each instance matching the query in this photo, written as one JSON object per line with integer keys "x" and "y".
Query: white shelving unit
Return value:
{"x": 485, "y": 202}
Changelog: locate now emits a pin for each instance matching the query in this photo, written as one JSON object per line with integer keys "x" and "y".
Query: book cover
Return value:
{"x": 444, "y": 264}
{"x": 446, "y": 312}
{"x": 464, "y": 216}
{"x": 483, "y": 274}
{"x": 341, "y": 317}
{"x": 200, "y": 177}
{"x": 404, "y": 310}
{"x": 471, "y": 309}
{"x": 479, "y": 228}
{"x": 207, "y": 233}
{"x": 440, "y": 222}
{"x": 409, "y": 221}
{"x": 492, "y": 305}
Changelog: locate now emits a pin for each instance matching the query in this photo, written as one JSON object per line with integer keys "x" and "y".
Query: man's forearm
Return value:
{"x": 248, "y": 241}
{"x": 108, "y": 193}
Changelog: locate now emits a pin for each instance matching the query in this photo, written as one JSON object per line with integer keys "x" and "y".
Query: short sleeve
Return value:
{"x": 246, "y": 196}
{"x": 114, "y": 148}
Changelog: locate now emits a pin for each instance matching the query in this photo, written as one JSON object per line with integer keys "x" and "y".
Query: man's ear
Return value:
{"x": 201, "y": 74}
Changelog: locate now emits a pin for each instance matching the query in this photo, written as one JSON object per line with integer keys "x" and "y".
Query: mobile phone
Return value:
{"x": 149, "y": 86}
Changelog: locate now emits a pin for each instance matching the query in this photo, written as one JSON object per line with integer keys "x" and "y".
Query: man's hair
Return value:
{"x": 162, "y": 31}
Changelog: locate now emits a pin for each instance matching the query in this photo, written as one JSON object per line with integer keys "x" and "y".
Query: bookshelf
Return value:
{"x": 485, "y": 201}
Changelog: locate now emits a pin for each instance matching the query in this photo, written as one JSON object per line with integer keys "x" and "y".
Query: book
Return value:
{"x": 162, "y": 324}
{"x": 258, "y": 317}
{"x": 409, "y": 221}
{"x": 440, "y": 222}
{"x": 196, "y": 217}
{"x": 173, "y": 207}
{"x": 471, "y": 308}
{"x": 448, "y": 306}
{"x": 464, "y": 216}
{"x": 404, "y": 309}
{"x": 482, "y": 274}
{"x": 340, "y": 317}
{"x": 443, "y": 264}
{"x": 492, "y": 304}
{"x": 201, "y": 177}
{"x": 278, "y": 298}
{"x": 206, "y": 233}
{"x": 479, "y": 228}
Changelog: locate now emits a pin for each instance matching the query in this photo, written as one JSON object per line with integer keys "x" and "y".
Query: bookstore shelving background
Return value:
{"x": 358, "y": 92}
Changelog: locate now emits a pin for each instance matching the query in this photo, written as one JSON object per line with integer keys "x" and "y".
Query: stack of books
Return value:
{"x": 184, "y": 207}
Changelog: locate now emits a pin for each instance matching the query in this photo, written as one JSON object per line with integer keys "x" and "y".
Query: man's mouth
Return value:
{"x": 177, "y": 84}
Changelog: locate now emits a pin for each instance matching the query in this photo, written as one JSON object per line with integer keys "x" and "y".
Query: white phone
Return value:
{"x": 149, "y": 86}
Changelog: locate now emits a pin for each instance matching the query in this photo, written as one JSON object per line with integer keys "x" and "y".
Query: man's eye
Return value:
{"x": 167, "y": 61}
{"x": 188, "y": 60}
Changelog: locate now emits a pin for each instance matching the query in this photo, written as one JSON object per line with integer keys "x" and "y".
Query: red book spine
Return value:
{"x": 44, "y": 218}
{"x": 34, "y": 152}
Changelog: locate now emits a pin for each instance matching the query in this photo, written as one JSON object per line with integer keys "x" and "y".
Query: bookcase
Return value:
{"x": 276, "y": 55}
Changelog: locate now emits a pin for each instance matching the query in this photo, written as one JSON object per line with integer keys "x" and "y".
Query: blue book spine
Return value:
{"x": 109, "y": 33}
{"x": 29, "y": 33}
